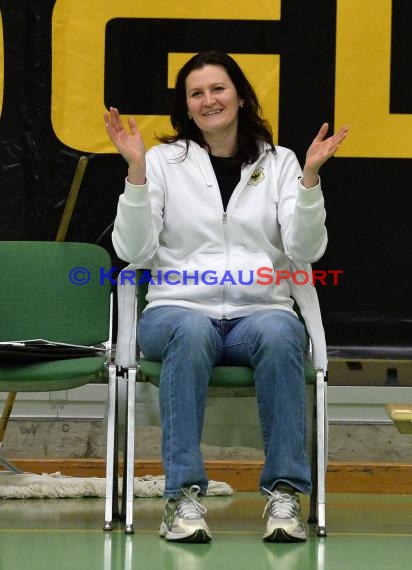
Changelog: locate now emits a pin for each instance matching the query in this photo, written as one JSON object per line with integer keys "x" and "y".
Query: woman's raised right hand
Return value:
{"x": 129, "y": 144}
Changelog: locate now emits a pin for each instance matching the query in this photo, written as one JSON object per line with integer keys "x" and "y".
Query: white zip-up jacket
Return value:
{"x": 225, "y": 264}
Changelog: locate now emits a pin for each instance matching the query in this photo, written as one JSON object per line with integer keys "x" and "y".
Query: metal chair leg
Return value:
{"x": 313, "y": 518}
{"x": 122, "y": 396}
{"x": 321, "y": 391}
{"x": 128, "y": 476}
{"x": 112, "y": 502}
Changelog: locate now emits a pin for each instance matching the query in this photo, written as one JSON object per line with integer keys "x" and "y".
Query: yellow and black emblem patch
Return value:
{"x": 256, "y": 177}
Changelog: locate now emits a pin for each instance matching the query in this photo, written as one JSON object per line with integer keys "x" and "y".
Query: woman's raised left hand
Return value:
{"x": 320, "y": 151}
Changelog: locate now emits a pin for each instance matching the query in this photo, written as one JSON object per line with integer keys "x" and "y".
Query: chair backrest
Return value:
{"x": 55, "y": 291}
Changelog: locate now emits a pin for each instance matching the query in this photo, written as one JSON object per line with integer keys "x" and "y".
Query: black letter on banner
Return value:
{"x": 137, "y": 49}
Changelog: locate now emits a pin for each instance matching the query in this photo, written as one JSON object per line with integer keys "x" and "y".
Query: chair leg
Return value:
{"x": 4, "y": 419}
{"x": 322, "y": 450}
{"x": 10, "y": 467}
{"x": 112, "y": 479}
{"x": 313, "y": 518}
{"x": 128, "y": 473}
{"x": 122, "y": 397}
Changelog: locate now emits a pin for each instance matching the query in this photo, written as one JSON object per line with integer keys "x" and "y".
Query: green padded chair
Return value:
{"x": 226, "y": 381}
{"x": 40, "y": 300}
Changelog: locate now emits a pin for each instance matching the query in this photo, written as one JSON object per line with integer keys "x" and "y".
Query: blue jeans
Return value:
{"x": 189, "y": 344}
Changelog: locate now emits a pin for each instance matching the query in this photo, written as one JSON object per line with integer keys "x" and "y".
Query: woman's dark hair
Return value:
{"x": 252, "y": 128}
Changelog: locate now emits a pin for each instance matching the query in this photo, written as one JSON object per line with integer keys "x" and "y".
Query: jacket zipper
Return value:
{"x": 226, "y": 285}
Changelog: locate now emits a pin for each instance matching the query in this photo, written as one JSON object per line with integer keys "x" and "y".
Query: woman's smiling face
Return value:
{"x": 212, "y": 100}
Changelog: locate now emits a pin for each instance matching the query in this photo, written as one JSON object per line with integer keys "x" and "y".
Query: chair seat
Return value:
{"x": 368, "y": 352}
{"x": 222, "y": 376}
{"x": 50, "y": 375}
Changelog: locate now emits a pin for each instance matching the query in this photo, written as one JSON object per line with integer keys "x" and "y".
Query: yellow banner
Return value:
{"x": 78, "y": 57}
{"x": 363, "y": 60}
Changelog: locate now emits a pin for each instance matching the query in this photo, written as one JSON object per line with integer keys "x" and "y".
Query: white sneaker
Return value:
{"x": 183, "y": 519}
{"x": 284, "y": 522}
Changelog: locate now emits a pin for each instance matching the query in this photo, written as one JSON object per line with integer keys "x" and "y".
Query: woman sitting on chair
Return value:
{"x": 218, "y": 213}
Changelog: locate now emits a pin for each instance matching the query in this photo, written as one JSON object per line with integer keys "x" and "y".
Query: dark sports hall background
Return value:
{"x": 62, "y": 62}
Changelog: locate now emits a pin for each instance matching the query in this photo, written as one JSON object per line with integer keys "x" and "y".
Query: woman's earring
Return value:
{"x": 189, "y": 115}
{"x": 241, "y": 105}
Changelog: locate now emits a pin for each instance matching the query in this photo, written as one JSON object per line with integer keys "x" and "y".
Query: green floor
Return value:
{"x": 364, "y": 532}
